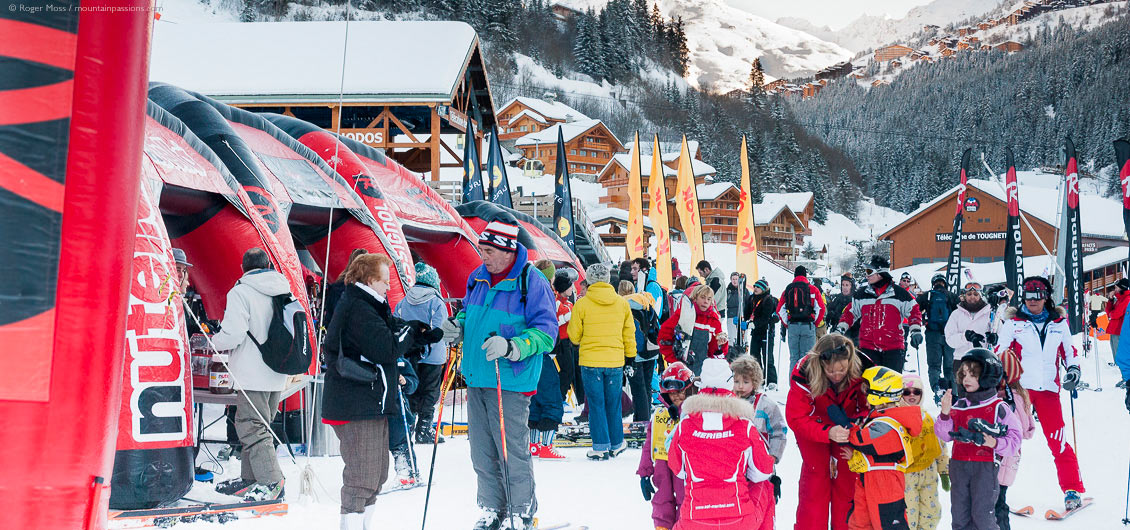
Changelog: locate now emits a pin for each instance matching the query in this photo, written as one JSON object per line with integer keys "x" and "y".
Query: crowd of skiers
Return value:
{"x": 534, "y": 339}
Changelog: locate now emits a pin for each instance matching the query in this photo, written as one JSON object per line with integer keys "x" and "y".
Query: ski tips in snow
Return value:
{"x": 1053, "y": 515}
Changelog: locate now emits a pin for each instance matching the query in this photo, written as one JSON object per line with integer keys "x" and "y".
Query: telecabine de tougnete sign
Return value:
{"x": 972, "y": 236}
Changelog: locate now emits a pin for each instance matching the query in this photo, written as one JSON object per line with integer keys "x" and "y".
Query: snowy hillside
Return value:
{"x": 869, "y": 31}
{"x": 724, "y": 40}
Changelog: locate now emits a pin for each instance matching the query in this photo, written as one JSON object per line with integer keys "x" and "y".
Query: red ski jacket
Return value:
{"x": 1116, "y": 311}
{"x": 807, "y": 415}
{"x": 708, "y": 321}
{"x": 718, "y": 452}
{"x": 881, "y": 315}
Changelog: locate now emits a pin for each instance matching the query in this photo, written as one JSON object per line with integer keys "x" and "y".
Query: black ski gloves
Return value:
{"x": 647, "y": 488}
{"x": 996, "y": 430}
{"x": 977, "y": 339}
{"x": 1071, "y": 378}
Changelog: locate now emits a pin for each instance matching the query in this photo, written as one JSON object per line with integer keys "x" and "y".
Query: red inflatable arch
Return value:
{"x": 70, "y": 135}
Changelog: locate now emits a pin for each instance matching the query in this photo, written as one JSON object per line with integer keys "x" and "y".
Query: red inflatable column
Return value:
{"x": 68, "y": 224}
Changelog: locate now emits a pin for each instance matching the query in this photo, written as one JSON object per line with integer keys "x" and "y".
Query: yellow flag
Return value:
{"x": 635, "y": 245}
{"x": 657, "y": 212}
{"x": 686, "y": 203}
{"x": 747, "y": 238}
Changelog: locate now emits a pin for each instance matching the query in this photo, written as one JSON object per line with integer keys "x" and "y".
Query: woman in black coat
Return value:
{"x": 370, "y": 339}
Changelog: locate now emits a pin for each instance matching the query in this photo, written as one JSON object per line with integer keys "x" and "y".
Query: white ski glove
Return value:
{"x": 452, "y": 331}
{"x": 497, "y": 347}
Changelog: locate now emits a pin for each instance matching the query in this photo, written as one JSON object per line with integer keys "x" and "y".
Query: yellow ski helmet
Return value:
{"x": 883, "y": 385}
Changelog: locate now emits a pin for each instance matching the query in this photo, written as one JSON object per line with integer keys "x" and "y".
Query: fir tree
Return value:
{"x": 757, "y": 84}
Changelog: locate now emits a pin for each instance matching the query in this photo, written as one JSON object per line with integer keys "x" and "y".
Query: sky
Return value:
{"x": 832, "y": 13}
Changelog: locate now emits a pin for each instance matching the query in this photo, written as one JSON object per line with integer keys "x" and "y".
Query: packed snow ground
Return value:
{"x": 606, "y": 495}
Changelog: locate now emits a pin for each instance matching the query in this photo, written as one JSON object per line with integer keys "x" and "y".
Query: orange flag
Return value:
{"x": 635, "y": 244}
{"x": 747, "y": 238}
{"x": 657, "y": 212}
{"x": 686, "y": 203}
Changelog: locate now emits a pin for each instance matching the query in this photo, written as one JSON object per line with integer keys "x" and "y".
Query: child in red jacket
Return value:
{"x": 691, "y": 341}
{"x": 721, "y": 457}
{"x": 659, "y": 484}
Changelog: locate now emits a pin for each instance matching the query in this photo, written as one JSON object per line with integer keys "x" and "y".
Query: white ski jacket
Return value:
{"x": 1040, "y": 358}
{"x": 249, "y": 308}
{"x": 962, "y": 320}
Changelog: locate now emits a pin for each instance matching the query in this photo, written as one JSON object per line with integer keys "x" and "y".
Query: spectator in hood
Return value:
{"x": 842, "y": 300}
{"x": 937, "y": 305}
{"x": 507, "y": 326}
{"x": 423, "y": 302}
{"x": 880, "y": 307}
{"x": 249, "y": 312}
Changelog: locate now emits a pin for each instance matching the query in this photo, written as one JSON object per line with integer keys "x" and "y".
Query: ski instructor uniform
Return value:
{"x": 508, "y": 317}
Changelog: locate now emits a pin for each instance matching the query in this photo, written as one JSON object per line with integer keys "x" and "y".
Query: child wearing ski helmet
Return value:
{"x": 659, "y": 484}
{"x": 721, "y": 457}
{"x": 983, "y": 429}
{"x": 931, "y": 460}
{"x": 1017, "y": 398}
{"x": 879, "y": 449}
{"x": 1039, "y": 334}
{"x": 767, "y": 417}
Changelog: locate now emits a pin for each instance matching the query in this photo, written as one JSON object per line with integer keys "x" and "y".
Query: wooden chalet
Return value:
{"x": 521, "y": 116}
{"x": 563, "y": 12}
{"x": 835, "y": 71}
{"x": 894, "y": 51}
{"x": 775, "y": 85}
{"x": 1009, "y": 46}
{"x": 590, "y": 145}
{"x": 879, "y": 82}
{"x": 811, "y": 89}
{"x": 614, "y": 176}
{"x": 961, "y": 32}
{"x": 394, "y": 96}
{"x": 948, "y": 52}
{"x": 718, "y": 209}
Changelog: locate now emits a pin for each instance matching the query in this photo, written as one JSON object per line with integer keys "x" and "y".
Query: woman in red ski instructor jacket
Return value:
{"x": 828, "y": 375}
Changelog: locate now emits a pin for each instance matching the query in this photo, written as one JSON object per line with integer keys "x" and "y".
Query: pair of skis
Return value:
{"x": 1053, "y": 515}
{"x": 218, "y": 512}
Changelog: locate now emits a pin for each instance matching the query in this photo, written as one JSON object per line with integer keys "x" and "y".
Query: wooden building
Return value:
{"x": 774, "y": 86}
{"x": 394, "y": 96}
{"x": 924, "y": 235}
{"x": 589, "y": 144}
{"x": 521, "y": 116}
{"x": 718, "y": 209}
{"x": 1009, "y": 46}
{"x": 894, "y": 51}
{"x": 614, "y": 176}
{"x": 563, "y": 12}
{"x": 835, "y": 71}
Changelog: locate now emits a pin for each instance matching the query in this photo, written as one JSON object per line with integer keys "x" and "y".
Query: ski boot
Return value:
{"x": 1120, "y": 384}
{"x": 263, "y": 492}
{"x": 403, "y": 467}
{"x": 516, "y": 522}
{"x": 427, "y": 435}
{"x": 597, "y": 455}
{"x": 996, "y": 430}
{"x": 772, "y": 387}
{"x": 1072, "y": 500}
{"x": 490, "y": 520}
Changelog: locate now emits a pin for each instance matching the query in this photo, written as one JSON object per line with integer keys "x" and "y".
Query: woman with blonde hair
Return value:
{"x": 693, "y": 332}
{"x": 825, "y": 387}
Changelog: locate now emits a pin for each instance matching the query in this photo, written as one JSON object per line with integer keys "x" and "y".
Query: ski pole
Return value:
{"x": 505, "y": 459}
{"x": 447, "y": 378}
{"x": 918, "y": 356}
{"x": 1074, "y": 439}
{"x": 407, "y": 433}
{"x": 1126, "y": 513}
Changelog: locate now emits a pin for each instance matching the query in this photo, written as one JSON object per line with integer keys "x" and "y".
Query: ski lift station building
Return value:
{"x": 405, "y": 83}
{"x": 924, "y": 235}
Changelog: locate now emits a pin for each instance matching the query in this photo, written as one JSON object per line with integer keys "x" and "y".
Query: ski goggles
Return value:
{"x": 912, "y": 391}
{"x": 1036, "y": 294}
{"x": 839, "y": 352}
{"x": 869, "y": 271}
{"x": 672, "y": 385}
{"x": 972, "y": 287}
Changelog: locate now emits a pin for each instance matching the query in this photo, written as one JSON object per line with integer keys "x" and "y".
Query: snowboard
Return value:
{"x": 217, "y": 512}
{"x": 1053, "y": 515}
{"x": 579, "y": 436}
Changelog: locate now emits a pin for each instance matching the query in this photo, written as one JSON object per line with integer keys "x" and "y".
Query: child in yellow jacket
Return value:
{"x": 923, "y": 511}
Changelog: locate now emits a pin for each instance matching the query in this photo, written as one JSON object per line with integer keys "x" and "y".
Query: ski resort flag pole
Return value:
{"x": 953, "y": 267}
{"x": 1072, "y": 252}
{"x": 686, "y": 203}
{"x": 657, "y": 212}
{"x": 496, "y": 170}
{"x": 1122, "y": 153}
{"x": 472, "y": 173}
{"x": 636, "y": 246}
{"x": 563, "y": 196}
{"x": 747, "y": 238}
{"x": 1013, "y": 248}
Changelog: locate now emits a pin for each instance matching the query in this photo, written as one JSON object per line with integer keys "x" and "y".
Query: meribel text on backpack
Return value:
{"x": 798, "y": 302}
{"x": 286, "y": 349}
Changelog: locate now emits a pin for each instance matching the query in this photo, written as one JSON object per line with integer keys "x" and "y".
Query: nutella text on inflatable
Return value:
{"x": 155, "y": 342}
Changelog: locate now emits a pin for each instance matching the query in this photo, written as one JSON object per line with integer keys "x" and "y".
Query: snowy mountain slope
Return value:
{"x": 724, "y": 40}
{"x": 869, "y": 31}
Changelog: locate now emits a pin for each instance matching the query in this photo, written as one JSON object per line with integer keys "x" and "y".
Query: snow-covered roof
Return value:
{"x": 1104, "y": 257}
{"x": 1041, "y": 201}
{"x": 698, "y": 167}
{"x": 993, "y": 272}
{"x": 709, "y": 192}
{"x": 554, "y": 110}
{"x": 527, "y": 113}
{"x": 770, "y": 207}
{"x": 384, "y": 60}
{"x": 619, "y": 214}
{"x": 624, "y": 160}
{"x": 569, "y": 130}
{"x": 671, "y": 150}
{"x": 797, "y": 201}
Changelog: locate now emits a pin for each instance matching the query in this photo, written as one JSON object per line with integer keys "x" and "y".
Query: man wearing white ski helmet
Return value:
{"x": 1039, "y": 335}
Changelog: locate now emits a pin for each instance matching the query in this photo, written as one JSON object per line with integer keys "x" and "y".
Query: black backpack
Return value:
{"x": 798, "y": 302}
{"x": 937, "y": 310}
{"x": 286, "y": 349}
